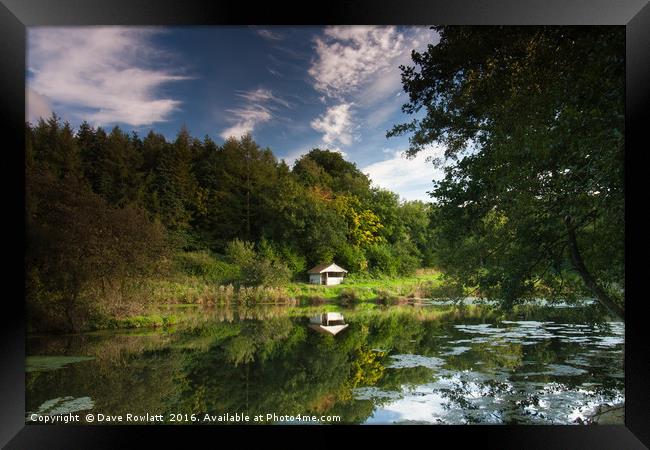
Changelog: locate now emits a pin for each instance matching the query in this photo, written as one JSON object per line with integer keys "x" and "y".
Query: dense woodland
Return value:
{"x": 106, "y": 207}
{"x": 532, "y": 202}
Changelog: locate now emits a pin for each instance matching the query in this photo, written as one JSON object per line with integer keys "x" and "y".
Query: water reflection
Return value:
{"x": 391, "y": 365}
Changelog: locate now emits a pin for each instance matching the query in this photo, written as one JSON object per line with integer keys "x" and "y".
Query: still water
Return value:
{"x": 391, "y": 365}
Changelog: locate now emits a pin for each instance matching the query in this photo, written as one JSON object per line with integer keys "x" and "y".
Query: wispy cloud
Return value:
{"x": 246, "y": 119}
{"x": 336, "y": 124}
{"x": 263, "y": 96}
{"x": 411, "y": 178}
{"x": 258, "y": 107}
{"x": 269, "y": 34}
{"x": 102, "y": 74}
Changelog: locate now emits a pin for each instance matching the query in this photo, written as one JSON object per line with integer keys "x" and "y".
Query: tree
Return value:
{"x": 328, "y": 169}
{"x": 75, "y": 239}
{"x": 533, "y": 122}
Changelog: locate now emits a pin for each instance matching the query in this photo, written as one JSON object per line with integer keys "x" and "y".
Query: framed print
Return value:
{"x": 248, "y": 221}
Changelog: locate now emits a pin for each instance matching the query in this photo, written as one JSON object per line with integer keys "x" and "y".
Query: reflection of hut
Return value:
{"x": 331, "y": 323}
{"x": 327, "y": 274}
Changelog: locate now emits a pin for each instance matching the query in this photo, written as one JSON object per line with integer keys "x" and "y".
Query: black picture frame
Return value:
{"x": 16, "y": 15}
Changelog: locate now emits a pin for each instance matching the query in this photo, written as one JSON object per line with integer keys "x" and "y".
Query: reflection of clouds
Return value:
{"x": 469, "y": 397}
{"x": 506, "y": 393}
{"x": 414, "y": 408}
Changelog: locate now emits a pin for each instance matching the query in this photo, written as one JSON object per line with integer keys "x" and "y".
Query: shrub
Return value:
{"x": 296, "y": 262}
{"x": 348, "y": 295}
{"x": 241, "y": 253}
{"x": 262, "y": 268}
{"x": 406, "y": 257}
{"x": 352, "y": 258}
{"x": 380, "y": 260}
{"x": 202, "y": 264}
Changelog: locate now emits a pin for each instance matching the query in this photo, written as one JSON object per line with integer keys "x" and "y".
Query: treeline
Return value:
{"x": 104, "y": 207}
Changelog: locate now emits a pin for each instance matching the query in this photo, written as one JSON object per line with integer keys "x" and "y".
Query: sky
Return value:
{"x": 292, "y": 88}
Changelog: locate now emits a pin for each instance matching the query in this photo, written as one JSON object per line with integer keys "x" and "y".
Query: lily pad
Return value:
{"x": 407, "y": 361}
{"x": 65, "y": 405}
{"x": 43, "y": 363}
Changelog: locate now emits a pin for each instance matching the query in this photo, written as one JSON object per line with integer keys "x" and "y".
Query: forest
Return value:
{"x": 531, "y": 205}
{"x": 108, "y": 208}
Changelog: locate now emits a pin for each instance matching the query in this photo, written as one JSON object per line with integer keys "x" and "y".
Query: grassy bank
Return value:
{"x": 177, "y": 291}
{"x": 426, "y": 283}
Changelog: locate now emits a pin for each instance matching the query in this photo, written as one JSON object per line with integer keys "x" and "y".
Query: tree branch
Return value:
{"x": 579, "y": 265}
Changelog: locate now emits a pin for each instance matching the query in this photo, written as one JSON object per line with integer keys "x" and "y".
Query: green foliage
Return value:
{"x": 363, "y": 224}
{"x": 380, "y": 259}
{"x": 352, "y": 258}
{"x": 107, "y": 210}
{"x": 241, "y": 253}
{"x": 76, "y": 241}
{"x": 532, "y": 119}
{"x": 329, "y": 170}
{"x": 405, "y": 257}
{"x": 202, "y": 264}
{"x": 264, "y": 267}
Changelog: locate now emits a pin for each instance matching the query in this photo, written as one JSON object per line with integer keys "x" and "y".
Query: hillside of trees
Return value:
{"x": 108, "y": 208}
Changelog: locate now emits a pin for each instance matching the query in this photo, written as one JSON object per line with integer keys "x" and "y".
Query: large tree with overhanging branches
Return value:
{"x": 532, "y": 119}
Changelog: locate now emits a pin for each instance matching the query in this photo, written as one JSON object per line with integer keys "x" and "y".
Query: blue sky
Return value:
{"x": 292, "y": 88}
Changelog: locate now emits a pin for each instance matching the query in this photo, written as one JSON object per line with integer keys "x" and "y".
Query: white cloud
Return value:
{"x": 246, "y": 119}
{"x": 410, "y": 178}
{"x": 360, "y": 65}
{"x": 258, "y": 108}
{"x": 37, "y": 106}
{"x": 99, "y": 73}
{"x": 347, "y": 56}
{"x": 364, "y": 59}
{"x": 336, "y": 124}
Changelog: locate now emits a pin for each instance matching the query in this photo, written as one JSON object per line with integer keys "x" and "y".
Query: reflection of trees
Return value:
{"x": 271, "y": 366}
{"x": 496, "y": 354}
{"x": 139, "y": 384}
{"x": 279, "y": 366}
{"x": 274, "y": 364}
{"x": 367, "y": 369}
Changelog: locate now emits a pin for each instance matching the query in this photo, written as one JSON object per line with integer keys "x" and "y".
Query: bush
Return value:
{"x": 348, "y": 295}
{"x": 406, "y": 257}
{"x": 381, "y": 261}
{"x": 202, "y": 264}
{"x": 241, "y": 253}
{"x": 352, "y": 258}
{"x": 266, "y": 272}
{"x": 262, "y": 268}
{"x": 296, "y": 262}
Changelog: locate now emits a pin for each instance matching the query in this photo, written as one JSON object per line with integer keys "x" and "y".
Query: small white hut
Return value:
{"x": 327, "y": 274}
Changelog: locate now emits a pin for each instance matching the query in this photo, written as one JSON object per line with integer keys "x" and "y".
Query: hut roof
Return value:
{"x": 326, "y": 268}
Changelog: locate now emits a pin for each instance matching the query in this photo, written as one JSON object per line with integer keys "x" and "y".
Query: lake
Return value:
{"x": 409, "y": 364}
